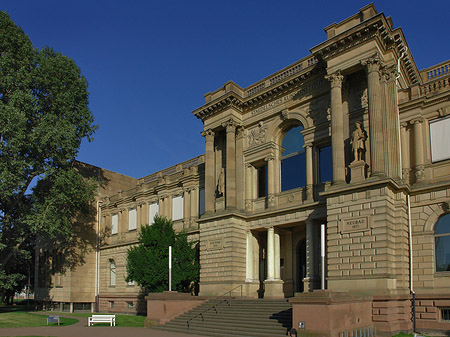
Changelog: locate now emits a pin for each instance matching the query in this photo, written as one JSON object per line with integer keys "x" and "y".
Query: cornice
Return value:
{"x": 230, "y": 100}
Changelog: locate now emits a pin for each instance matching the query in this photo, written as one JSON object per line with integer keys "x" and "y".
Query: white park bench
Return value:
{"x": 102, "y": 319}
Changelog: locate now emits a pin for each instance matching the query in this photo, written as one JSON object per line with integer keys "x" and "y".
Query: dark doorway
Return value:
{"x": 301, "y": 265}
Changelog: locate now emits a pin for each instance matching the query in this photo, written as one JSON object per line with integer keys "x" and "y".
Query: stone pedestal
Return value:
{"x": 220, "y": 204}
{"x": 358, "y": 171}
{"x": 273, "y": 289}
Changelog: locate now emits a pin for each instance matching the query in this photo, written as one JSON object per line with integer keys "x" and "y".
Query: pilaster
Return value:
{"x": 230, "y": 173}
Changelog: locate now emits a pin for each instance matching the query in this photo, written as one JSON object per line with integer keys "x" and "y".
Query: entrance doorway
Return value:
{"x": 301, "y": 265}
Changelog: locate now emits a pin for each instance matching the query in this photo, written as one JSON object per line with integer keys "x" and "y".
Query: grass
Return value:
{"x": 121, "y": 320}
{"x": 18, "y": 316}
{"x": 21, "y": 319}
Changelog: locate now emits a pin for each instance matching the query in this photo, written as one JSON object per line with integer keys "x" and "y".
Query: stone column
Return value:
{"x": 392, "y": 124}
{"x": 270, "y": 254}
{"x": 240, "y": 193}
{"x": 186, "y": 206}
{"x": 405, "y": 151}
{"x": 375, "y": 116}
{"x": 230, "y": 173}
{"x": 418, "y": 149}
{"x": 337, "y": 128}
{"x": 209, "y": 171}
{"x": 277, "y": 255}
{"x": 248, "y": 186}
{"x": 309, "y": 172}
{"x": 194, "y": 202}
{"x": 271, "y": 176}
{"x": 249, "y": 258}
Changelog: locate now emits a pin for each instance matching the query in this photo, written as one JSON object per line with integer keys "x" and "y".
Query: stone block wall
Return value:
{"x": 222, "y": 255}
{"x": 375, "y": 251}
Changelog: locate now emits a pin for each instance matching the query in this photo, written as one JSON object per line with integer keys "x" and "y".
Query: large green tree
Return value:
{"x": 148, "y": 262}
{"x": 44, "y": 116}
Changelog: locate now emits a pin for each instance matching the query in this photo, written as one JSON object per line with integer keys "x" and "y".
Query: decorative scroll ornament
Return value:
{"x": 258, "y": 135}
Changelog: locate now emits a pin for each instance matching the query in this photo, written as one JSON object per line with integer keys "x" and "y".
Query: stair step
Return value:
{"x": 235, "y": 318}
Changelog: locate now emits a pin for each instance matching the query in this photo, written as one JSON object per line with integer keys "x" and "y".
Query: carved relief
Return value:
{"x": 318, "y": 110}
{"x": 258, "y": 135}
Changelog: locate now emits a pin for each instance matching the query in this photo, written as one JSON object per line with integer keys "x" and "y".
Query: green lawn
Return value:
{"x": 20, "y": 319}
{"x": 121, "y": 320}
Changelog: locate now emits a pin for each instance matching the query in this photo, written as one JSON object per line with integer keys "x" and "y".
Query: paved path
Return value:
{"x": 80, "y": 329}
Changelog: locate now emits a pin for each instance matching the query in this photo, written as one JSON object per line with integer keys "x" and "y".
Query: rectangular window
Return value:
{"x": 130, "y": 305}
{"x": 201, "y": 201}
{"x": 325, "y": 164}
{"x": 440, "y": 139}
{"x": 111, "y": 304}
{"x": 115, "y": 224}
{"x": 445, "y": 314}
{"x": 153, "y": 211}
{"x": 132, "y": 219}
{"x": 177, "y": 208}
{"x": 262, "y": 181}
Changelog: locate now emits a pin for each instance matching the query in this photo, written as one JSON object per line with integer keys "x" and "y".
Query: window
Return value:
{"x": 153, "y": 211}
{"x": 111, "y": 304}
{"x": 112, "y": 273}
{"x": 442, "y": 243}
{"x": 115, "y": 224}
{"x": 445, "y": 314}
{"x": 201, "y": 201}
{"x": 132, "y": 219}
{"x": 325, "y": 164}
{"x": 293, "y": 165}
{"x": 130, "y": 305}
{"x": 262, "y": 181}
{"x": 440, "y": 139}
{"x": 177, "y": 208}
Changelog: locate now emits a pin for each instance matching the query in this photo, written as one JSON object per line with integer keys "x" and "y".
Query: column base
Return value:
{"x": 273, "y": 289}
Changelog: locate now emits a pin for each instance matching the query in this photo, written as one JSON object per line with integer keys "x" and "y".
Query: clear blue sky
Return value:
{"x": 149, "y": 63}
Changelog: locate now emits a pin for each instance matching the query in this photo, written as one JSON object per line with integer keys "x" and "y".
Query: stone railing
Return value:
{"x": 436, "y": 71}
{"x": 436, "y": 85}
{"x": 281, "y": 75}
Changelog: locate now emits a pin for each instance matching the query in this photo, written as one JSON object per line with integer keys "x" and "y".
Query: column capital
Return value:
{"x": 372, "y": 64}
{"x": 308, "y": 145}
{"x": 335, "y": 79}
{"x": 208, "y": 134}
{"x": 269, "y": 158}
{"x": 230, "y": 126}
{"x": 404, "y": 124}
{"x": 417, "y": 120}
{"x": 240, "y": 132}
{"x": 390, "y": 74}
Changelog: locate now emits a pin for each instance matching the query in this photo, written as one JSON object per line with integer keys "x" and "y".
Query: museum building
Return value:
{"x": 351, "y": 142}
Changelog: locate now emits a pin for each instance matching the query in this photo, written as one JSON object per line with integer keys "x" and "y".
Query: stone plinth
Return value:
{"x": 273, "y": 289}
{"x": 328, "y": 313}
{"x": 358, "y": 171}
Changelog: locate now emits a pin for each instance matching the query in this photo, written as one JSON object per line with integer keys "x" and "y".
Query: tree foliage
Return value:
{"x": 44, "y": 117}
{"x": 148, "y": 262}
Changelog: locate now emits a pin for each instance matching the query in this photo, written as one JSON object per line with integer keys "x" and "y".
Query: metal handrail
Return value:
{"x": 214, "y": 305}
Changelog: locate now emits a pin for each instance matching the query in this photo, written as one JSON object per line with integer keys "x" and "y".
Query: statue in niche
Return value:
{"x": 358, "y": 142}
{"x": 221, "y": 184}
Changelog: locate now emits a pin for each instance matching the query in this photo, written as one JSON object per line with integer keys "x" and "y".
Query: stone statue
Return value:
{"x": 357, "y": 141}
{"x": 221, "y": 183}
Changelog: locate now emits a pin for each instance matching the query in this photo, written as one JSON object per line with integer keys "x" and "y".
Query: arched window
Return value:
{"x": 293, "y": 169}
{"x": 442, "y": 243}
{"x": 112, "y": 273}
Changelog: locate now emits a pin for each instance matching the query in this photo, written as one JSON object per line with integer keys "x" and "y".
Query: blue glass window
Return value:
{"x": 325, "y": 164}
{"x": 293, "y": 166}
{"x": 442, "y": 243}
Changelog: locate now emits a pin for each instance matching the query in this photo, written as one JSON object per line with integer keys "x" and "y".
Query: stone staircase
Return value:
{"x": 235, "y": 318}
